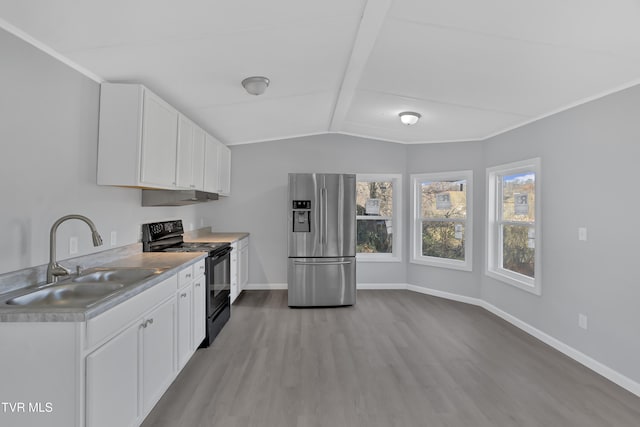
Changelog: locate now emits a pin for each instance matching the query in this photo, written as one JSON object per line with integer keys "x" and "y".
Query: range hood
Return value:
{"x": 175, "y": 197}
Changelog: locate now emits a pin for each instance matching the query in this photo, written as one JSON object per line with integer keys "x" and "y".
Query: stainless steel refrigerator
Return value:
{"x": 322, "y": 240}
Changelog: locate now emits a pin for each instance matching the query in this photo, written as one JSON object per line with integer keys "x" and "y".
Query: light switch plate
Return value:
{"x": 114, "y": 238}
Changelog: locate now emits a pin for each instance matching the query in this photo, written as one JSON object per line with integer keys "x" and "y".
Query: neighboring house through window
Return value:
{"x": 442, "y": 219}
{"x": 514, "y": 224}
{"x": 378, "y": 201}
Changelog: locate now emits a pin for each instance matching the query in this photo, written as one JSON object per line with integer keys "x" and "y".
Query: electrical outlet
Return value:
{"x": 114, "y": 238}
{"x": 190, "y": 226}
{"x": 73, "y": 245}
{"x": 582, "y": 234}
{"x": 582, "y": 321}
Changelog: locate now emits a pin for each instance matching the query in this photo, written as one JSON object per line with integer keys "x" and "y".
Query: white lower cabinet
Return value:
{"x": 112, "y": 382}
{"x": 112, "y": 369}
{"x": 185, "y": 320}
{"x": 132, "y": 370}
{"x": 239, "y": 267}
{"x": 199, "y": 310}
{"x": 158, "y": 363}
{"x": 191, "y": 311}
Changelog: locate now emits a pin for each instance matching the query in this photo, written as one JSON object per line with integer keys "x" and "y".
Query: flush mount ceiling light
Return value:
{"x": 255, "y": 85}
{"x": 409, "y": 117}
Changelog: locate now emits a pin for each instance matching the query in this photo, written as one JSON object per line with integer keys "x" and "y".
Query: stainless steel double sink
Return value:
{"x": 84, "y": 290}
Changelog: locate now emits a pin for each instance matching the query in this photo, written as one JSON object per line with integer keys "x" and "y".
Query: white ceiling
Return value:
{"x": 472, "y": 68}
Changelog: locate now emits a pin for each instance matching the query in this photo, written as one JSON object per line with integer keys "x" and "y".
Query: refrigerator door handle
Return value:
{"x": 323, "y": 210}
{"x": 322, "y": 263}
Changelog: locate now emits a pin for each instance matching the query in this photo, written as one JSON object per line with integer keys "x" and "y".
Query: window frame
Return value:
{"x": 396, "y": 218}
{"x": 493, "y": 266}
{"x": 417, "y": 221}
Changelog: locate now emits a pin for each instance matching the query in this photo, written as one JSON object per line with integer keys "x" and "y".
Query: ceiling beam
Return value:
{"x": 373, "y": 17}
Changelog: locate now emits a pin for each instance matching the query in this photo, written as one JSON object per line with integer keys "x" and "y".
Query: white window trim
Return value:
{"x": 396, "y": 255}
{"x": 416, "y": 235}
{"x": 494, "y": 250}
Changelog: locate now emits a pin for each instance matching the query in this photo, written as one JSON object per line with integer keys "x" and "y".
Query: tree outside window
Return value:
{"x": 442, "y": 219}
{"x": 513, "y": 238}
{"x": 376, "y": 216}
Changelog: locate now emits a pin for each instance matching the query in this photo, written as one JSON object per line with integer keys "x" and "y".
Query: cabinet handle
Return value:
{"x": 188, "y": 275}
{"x": 183, "y": 295}
{"x": 198, "y": 285}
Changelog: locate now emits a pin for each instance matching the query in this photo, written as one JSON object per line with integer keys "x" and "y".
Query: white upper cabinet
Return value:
{"x": 145, "y": 143}
{"x": 224, "y": 170}
{"x": 137, "y": 138}
{"x": 211, "y": 179}
{"x": 198, "y": 157}
{"x": 217, "y": 168}
{"x": 184, "y": 163}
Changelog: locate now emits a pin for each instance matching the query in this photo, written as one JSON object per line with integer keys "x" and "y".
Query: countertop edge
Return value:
{"x": 22, "y": 314}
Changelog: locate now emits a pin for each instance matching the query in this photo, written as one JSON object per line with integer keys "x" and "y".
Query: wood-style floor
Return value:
{"x": 396, "y": 358}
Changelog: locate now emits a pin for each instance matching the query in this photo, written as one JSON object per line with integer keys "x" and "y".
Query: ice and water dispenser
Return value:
{"x": 302, "y": 216}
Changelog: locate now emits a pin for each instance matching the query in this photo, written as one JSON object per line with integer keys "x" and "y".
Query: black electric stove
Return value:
{"x": 167, "y": 236}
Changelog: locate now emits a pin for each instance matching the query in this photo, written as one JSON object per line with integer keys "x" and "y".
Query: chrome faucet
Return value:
{"x": 54, "y": 270}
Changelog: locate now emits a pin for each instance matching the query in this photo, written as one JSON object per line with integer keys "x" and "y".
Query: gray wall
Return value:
{"x": 429, "y": 158}
{"x": 48, "y": 133}
{"x": 589, "y": 158}
{"x": 589, "y": 174}
{"x": 259, "y": 195}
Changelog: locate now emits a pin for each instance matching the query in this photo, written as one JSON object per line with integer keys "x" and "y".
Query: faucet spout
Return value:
{"x": 55, "y": 270}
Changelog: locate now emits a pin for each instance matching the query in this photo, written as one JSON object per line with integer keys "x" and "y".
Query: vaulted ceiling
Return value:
{"x": 471, "y": 68}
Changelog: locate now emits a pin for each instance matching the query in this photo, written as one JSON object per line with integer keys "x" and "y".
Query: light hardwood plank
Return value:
{"x": 396, "y": 358}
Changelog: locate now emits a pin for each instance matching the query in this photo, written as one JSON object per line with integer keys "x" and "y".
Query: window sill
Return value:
{"x": 381, "y": 258}
{"x": 450, "y": 264}
{"x": 512, "y": 279}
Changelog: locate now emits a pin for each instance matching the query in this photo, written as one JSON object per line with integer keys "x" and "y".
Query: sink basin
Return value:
{"x": 126, "y": 276}
{"x": 67, "y": 295}
{"x": 85, "y": 290}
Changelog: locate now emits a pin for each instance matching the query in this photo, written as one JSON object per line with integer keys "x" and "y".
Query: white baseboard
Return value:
{"x": 446, "y": 295}
{"x": 381, "y": 286}
{"x": 265, "y": 286}
{"x": 607, "y": 372}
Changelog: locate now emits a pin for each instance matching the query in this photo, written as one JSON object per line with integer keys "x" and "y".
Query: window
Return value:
{"x": 378, "y": 201}
{"x": 442, "y": 224}
{"x": 514, "y": 223}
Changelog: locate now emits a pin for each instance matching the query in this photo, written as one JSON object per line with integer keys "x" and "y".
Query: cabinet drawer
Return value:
{"x": 185, "y": 276}
{"x": 113, "y": 320}
{"x": 198, "y": 268}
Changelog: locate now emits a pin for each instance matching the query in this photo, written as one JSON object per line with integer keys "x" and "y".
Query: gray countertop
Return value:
{"x": 172, "y": 262}
{"x": 208, "y": 236}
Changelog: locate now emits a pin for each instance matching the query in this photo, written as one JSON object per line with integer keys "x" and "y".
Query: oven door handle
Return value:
{"x": 222, "y": 253}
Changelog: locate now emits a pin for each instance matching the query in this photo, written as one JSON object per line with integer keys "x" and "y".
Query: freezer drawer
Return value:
{"x": 318, "y": 282}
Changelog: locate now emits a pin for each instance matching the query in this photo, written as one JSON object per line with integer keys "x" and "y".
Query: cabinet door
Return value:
{"x": 224, "y": 170}
{"x": 159, "y": 137}
{"x": 198, "y": 158}
{"x": 112, "y": 381}
{"x": 211, "y": 164}
{"x": 185, "y": 153}
{"x": 158, "y": 353}
{"x": 185, "y": 318}
{"x": 234, "y": 272}
{"x": 244, "y": 265}
{"x": 199, "y": 311}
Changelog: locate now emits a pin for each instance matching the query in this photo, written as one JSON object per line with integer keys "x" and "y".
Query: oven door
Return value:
{"x": 219, "y": 281}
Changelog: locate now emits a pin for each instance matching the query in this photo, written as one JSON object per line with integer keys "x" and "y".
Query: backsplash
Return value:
{"x": 33, "y": 276}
